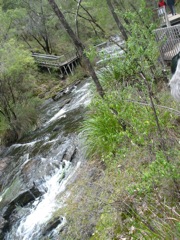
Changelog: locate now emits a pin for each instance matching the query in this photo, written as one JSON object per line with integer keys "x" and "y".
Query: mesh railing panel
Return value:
{"x": 169, "y": 41}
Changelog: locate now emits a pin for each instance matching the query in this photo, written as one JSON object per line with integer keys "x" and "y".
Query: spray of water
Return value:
{"x": 43, "y": 208}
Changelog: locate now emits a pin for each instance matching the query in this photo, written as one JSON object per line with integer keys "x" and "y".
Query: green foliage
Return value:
{"x": 102, "y": 130}
{"x": 9, "y": 4}
{"x": 106, "y": 226}
{"x": 122, "y": 125}
{"x": 118, "y": 120}
{"x": 120, "y": 129}
{"x": 91, "y": 53}
{"x": 17, "y": 82}
{"x": 3, "y": 124}
{"x": 79, "y": 73}
{"x": 157, "y": 173}
{"x": 15, "y": 59}
{"x": 8, "y": 26}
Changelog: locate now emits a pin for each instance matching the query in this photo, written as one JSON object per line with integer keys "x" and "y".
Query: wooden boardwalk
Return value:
{"x": 65, "y": 63}
{"x": 174, "y": 19}
{"x": 170, "y": 20}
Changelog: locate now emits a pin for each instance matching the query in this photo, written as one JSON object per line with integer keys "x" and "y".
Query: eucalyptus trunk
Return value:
{"x": 118, "y": 22}
{"x": 78, "y": 44}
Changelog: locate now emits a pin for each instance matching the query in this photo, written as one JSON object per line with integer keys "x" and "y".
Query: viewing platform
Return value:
{"x": 168, "y": 34}
{"x": 65, "y": 63}
{"x": 173, "y": 20}
{"x": 168, "y": 39}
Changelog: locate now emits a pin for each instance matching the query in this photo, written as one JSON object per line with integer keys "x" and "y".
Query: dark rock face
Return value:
{"x": 65, "y": 91}
{"x": 21, "y": 200}
{"x": 69, "y": 153}
{"x": 52, "y": 225}
{"x": 3, "y": 225}
{"x": 58, "y": 95}
{"x": 3, "y": 164}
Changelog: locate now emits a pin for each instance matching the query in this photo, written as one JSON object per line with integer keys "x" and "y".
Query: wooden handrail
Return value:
{"x": 53, "y": 60}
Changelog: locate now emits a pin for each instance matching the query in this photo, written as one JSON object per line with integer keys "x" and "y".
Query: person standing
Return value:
{"x": 171, "y": 4}
{"x": 162, "y": 6}
{"x": 161, "y": 3}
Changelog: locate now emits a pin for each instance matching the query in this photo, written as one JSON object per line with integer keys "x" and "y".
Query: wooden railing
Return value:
{"x": 53, "y": 60}
{"x": 169, "y": 41}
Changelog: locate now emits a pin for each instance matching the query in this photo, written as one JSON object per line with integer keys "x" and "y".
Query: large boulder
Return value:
{"x": 9, "y": 211}
{"x": 21, "y": 200}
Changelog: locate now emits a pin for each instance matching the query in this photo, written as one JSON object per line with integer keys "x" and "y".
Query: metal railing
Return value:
{"x": 169, "y": 41}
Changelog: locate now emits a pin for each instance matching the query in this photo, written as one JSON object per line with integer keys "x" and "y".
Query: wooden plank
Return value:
{"x": 54, "y": 61}
{"x": 174, "y": 19}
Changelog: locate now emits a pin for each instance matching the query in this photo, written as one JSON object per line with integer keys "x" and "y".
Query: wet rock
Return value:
{"x": 52, "y": 225}
{"x": 56, "y": 164}
{"x": 58, "y": 95}
{"x": 10, "y": 210}
{"x": 21, "y": 200}
{"x": 46, "y": 102}
{"x": 30, "y": 170}
{"x": 66, "y": 101}
{"x": 65, "y": 91}
{"x": 70, "y": 153}
{"x": 3, "y": 164}
{"x": 3, "y": 226}
{"x": 62, "y": 177}
{"x": 2, "y": 148}
{"x": 63, "y": 164}
{"x": 57, "y": 128}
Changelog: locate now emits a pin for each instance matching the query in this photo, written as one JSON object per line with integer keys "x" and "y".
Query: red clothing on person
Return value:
{"x": 162, "y": 3}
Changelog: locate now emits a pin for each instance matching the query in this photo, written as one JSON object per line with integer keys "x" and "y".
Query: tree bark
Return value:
{"x": 92, "y": 19}
{"x": 76, "y": 18}
{"x": 80, "y": 47}
{"x": 119, "y": 24}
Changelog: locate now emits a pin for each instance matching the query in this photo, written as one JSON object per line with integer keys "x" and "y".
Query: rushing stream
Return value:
{"x": 46, "y": 161}
{"x": 35, "y": 173}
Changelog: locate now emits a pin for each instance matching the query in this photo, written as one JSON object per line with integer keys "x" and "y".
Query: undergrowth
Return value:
{"x": 134, "y": 133}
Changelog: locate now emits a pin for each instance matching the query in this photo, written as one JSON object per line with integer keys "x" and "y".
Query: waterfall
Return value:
{"x": 43, "y": 208}
{"x": 43, "y": 165}
{"x": 47, "y": 160}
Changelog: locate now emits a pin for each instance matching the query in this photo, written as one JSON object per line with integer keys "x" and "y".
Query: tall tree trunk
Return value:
{"x": 76, "y": 18}
{"x": 119, "y": 24}
{"x": 92, "y": 19}
{"x": 80, "y": 47}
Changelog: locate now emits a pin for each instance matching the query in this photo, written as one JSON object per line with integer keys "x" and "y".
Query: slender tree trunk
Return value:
{"x": 92, "y": 19}
{"x": 80, "y": 47}
{"x": 119, "y": 24}
{"x": 76, "y": 18}
{"x": 45, "y": 35}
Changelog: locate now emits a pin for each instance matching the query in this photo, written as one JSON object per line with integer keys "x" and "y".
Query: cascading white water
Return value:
{"x": 43, "y": 208}
{"x": 38, "y": 213}
{"x": 47, "y": 148}
{"x": 84, "y": 98}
